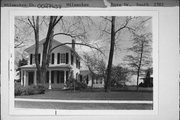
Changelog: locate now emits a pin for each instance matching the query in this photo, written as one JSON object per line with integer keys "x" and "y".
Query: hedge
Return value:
{"x": 29, "y": 90}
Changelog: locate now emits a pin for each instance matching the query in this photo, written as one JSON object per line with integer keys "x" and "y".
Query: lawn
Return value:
{"x": 97, "y": 94}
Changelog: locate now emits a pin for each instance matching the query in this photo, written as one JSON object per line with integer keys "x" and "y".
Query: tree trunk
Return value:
{"x": 46, "y": 51}
{"x": 139, "y": 66}
{"x": 92, "y": 82}
{"x": 108, "y": 79}
{"x": 138, "y": 80}
{"x": 36, "y": 32}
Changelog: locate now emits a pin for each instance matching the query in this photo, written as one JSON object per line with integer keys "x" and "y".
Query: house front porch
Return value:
{"x": 56, "y": 77}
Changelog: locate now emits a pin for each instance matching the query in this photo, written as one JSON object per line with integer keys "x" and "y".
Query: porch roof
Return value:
{"x": 57, "y": 66}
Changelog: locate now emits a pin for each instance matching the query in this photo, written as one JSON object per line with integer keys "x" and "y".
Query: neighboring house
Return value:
{"x": 86, "y": 77}
{"x": 63, "y": 60}
{"x": 147, "y": 82}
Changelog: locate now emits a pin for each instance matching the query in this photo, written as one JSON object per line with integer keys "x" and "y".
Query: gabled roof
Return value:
{"x": 57, "y": 43}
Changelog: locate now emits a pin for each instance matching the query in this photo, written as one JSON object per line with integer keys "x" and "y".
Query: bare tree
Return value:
{"x": 41, "y": 70}
{"x": 114, "y": 31}
{"x": 140, "y": 56}
{"x": 96, "y": 66}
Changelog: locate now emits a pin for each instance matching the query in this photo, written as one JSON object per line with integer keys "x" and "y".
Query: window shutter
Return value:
{"x": 31, "y": 57}
{"x": 67, "y": 58}
{"x": 58, "y": 58}
{"x": 39, "y": 58}
{"x": 52, "y": 59}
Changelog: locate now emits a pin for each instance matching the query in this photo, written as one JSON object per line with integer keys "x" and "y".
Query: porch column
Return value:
{"x": 27, "y": 78}
{"x": 35, "y": 77}
{"x": 50, "y": 79}
{"x": 22, "y": 77}
{"x": 65, "y": 79}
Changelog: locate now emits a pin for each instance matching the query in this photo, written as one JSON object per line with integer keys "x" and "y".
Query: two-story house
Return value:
{"x": 63, "y": 60}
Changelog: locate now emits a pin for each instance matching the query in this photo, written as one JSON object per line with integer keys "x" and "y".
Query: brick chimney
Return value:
{"x": 73, "y": 44}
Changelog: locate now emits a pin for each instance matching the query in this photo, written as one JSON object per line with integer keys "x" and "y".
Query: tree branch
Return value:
{"x": 56, "y": 21}
{"x": 106, "y": 31}
{"x": 18, "y": 45}
{"x": 24, "y": 21}
{"x": 127, "y": 21}
{"x": 107, "y": 19}
{"x": 77, "y": 44}
{"x": 31, "y": 24}
{"x": 146, "y": 20}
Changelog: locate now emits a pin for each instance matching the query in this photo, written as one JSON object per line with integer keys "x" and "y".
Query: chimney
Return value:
{"x": 73, "y": 44}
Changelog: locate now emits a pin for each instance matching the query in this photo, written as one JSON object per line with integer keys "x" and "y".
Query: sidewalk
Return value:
{"x": 83, "y": 106}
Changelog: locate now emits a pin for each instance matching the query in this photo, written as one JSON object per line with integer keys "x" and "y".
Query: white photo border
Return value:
{"x": 84, "y": 12}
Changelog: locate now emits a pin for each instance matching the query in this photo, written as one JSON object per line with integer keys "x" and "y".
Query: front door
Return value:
{"x": 61, "y": 73}
{"x": 30, "y": 77}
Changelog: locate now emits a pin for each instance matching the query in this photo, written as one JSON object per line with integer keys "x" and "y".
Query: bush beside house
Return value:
{"x": 76, "y": 85}
{"x": 29, "y": 90}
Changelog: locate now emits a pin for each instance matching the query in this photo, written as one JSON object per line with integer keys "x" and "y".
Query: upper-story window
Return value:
{"x": 77, "y": 63}
{"x": 32, "y": 58}
{"x": 63, "y": 57}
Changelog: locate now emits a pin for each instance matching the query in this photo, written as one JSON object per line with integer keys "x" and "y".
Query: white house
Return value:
{"x": 63, "y": 60}
{"x": 86, "y": 77}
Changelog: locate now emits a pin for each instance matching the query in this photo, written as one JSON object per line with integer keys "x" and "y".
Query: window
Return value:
{"x": 77, "y": 63}
{"x": 52, "y": 58}
{"x": 63, "y": 57}
{"x": 97, "y": 81}
{"x": 58, "y": 58}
